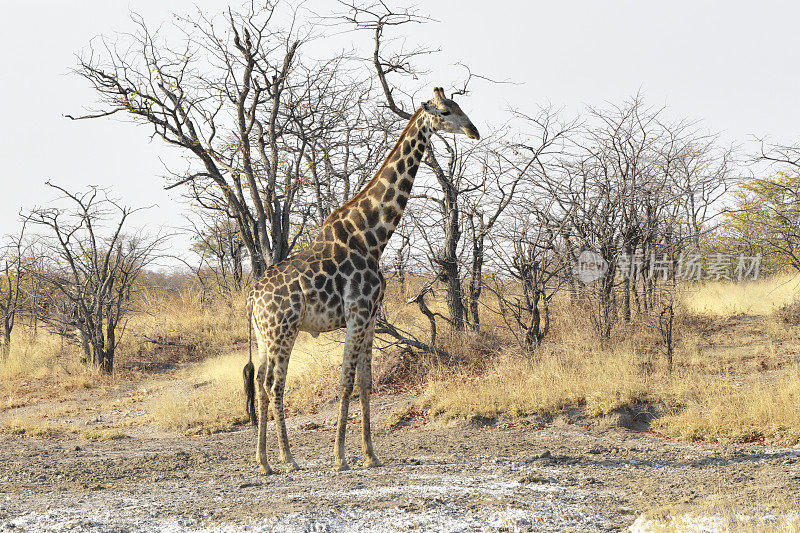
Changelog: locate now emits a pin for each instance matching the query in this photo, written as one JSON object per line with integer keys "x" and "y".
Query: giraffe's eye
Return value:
{"x": 445, "y": 113}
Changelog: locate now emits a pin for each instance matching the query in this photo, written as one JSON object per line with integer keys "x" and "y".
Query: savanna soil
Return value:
{"x": 570, "y": 473}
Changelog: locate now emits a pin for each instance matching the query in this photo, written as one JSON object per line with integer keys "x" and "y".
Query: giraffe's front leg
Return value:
{"x": 348, "y": 377}
{"x": 364, "y": 392}
{"x": 352, "y": 347}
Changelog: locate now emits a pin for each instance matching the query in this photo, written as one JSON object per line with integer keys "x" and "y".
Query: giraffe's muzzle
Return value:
{"x": 471, "y": 132}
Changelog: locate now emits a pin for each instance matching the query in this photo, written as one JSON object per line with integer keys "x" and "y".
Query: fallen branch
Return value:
{"x": 405, "y": 338}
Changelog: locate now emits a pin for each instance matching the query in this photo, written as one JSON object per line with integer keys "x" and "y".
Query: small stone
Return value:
{"x": 531, "y": 479}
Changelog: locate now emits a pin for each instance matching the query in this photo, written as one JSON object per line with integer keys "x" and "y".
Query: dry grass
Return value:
{"x": 42, "y": 366}
{"x": 32, "y": 357}
{"x": 722, "y": 408}
{"x": 769, "y": 514}
{"x": 210, "y": 397}
{"x": 180, "y": 327}
{"x": 34, "y": 426}
{"x": 735, "y": 379}
{"x": 725, "y": 298}
{"x": 600, "y": 380}
{"x": 700, "y": 403}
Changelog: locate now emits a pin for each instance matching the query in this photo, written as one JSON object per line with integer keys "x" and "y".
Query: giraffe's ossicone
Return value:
{"x": 336, "y": 282}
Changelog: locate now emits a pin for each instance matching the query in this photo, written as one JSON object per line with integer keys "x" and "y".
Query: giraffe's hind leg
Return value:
{"x": 264, "y": 379}
{"x": 364, "y": 391}
{"x": 280, "y": 356}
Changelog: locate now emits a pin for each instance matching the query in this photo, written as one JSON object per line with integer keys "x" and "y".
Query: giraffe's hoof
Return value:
{"x": 264, "y": 465}
{"x": 373, "y": 462}
{"x": 342, "y": 467}
{"x": 293, "y": 467}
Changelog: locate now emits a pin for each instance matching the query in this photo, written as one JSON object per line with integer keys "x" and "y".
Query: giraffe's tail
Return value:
{"x": 249, "y": 372}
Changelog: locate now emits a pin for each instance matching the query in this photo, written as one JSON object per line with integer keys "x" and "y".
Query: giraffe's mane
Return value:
{"x": 364, "y": 189}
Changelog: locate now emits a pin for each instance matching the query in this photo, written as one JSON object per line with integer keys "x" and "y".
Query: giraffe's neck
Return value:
{"x": 367, "y": 220}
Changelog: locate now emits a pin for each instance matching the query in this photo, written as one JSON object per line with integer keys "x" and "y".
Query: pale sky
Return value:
{"x": 731, "y": 64}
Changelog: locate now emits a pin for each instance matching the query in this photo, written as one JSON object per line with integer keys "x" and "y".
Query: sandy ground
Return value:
{"x": 521, "y": 476}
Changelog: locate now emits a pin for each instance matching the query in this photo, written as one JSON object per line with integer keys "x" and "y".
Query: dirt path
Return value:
{"x": 454, "y": 478}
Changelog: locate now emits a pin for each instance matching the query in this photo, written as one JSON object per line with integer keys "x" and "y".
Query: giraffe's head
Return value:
{"x": 447, "y": 116}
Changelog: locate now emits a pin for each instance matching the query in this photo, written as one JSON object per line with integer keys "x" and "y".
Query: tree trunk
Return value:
{"x": 6, "y": 347}
{"x": 455, "y": 303}
{"x": 476, "y": 282}
{"x": 236, "y": 258}
{"x": 626, "y": 286}
{"x": 449, "y": 262}
{"x": 108, "y": 361}
{"x": 532, "y": 336}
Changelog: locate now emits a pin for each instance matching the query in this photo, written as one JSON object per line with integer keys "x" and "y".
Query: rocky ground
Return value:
{"x": 527, "y": 475}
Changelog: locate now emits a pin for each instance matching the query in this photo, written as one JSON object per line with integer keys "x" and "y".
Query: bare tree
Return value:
{"x": 628, "y": 185}
{"x": 531, "y": 273}
{"x": 767, "y": 211}
{"x": 502, "y": 173}
{"x": 92, "y": 269}
{"x": 258, "y": 122}
{"x": 12, "y": 274}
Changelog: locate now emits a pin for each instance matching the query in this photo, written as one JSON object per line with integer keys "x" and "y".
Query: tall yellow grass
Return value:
{"x": 44, "y": 358}
{"x": 599, "y": 379}
{"x": 32, "y": 357}
{"x": 728, "y": 298}
{"x": 722, "y": 408}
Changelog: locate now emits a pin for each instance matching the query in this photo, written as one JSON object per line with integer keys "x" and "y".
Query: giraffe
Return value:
{"x": 337, "y": 283}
